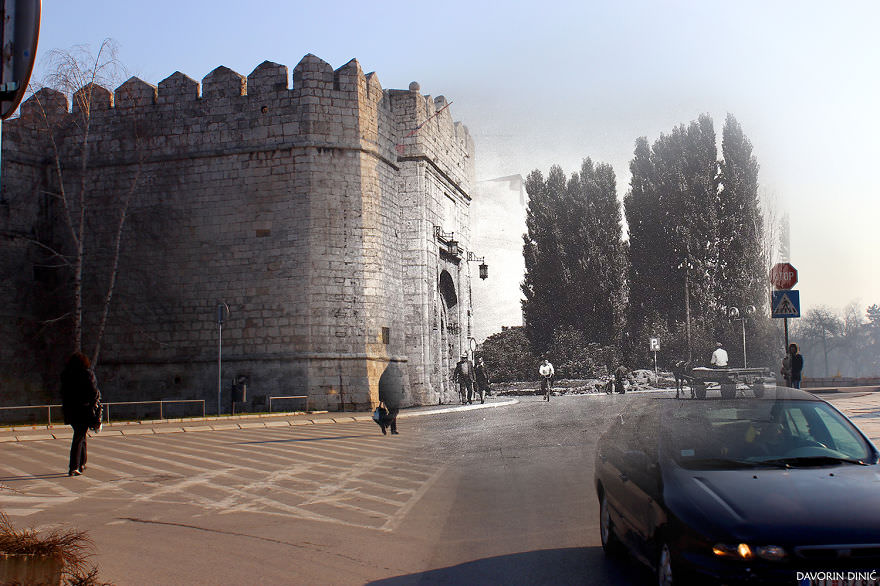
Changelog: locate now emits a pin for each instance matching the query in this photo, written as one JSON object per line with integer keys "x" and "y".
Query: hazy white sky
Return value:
{"x": 549, "y": 82}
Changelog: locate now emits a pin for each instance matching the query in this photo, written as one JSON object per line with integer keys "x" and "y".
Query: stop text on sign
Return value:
{"x": 783, "y": 276}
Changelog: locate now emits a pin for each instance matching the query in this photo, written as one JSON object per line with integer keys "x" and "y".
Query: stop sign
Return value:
{"x": 783, "y": 275}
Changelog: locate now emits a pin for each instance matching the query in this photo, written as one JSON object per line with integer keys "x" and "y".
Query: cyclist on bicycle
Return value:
{"x": 546, "y": 371}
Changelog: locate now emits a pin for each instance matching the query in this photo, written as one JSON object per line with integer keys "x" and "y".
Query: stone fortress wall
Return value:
{"x": 319, "y": 213}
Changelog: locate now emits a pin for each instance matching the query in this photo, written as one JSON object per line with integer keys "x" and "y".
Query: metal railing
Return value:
{"x": 108, "y": 405}
{"x": 306, "y": 397}
{"x": 160, "y": 403}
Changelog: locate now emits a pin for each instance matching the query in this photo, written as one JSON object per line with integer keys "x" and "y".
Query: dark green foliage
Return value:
{"x": 742, "y": 274}
{"x": 574, "y": 256}
{"x": 509, "y": 357}
{"x": 574, "y": 356}
{"x": 672, "y": 210}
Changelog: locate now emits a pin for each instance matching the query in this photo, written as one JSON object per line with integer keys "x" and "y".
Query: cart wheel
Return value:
{"x": 728, "y": 391}
{"x": 700, "y": 390}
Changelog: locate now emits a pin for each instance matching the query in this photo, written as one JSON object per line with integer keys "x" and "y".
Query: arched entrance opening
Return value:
{"x": 448, "y": 335}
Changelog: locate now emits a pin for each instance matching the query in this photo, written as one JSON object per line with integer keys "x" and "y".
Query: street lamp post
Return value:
{"x": 222, "y": 314}
{"x": 734, "y": 314}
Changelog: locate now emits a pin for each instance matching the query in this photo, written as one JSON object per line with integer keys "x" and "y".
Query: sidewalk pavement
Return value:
{"x": 862, "y": 408}
{"x": 225, "y": 422}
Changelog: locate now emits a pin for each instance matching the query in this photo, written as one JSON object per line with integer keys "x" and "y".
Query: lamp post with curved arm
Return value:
{"x": 735, "y": 314}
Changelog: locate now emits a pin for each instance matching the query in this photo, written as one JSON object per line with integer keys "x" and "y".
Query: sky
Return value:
{"x": 543, "y": 83}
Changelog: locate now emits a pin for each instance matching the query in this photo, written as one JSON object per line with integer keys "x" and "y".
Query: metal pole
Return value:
{"x": 745, "y": 362}
{"x": 219, "y": 367}
{"x": 687, "y": 309}
{"x": 786, "y": 333}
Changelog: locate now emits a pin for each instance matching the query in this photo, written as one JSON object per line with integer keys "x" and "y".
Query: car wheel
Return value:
{"x": 611, "y": 544}
{"x": 664, "y": 567}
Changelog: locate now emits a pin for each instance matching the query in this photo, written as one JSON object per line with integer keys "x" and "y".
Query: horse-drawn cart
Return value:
{"x": 729, "y": 378}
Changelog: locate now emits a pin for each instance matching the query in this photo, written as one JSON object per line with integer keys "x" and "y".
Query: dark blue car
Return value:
{"x": 744, "y": 490}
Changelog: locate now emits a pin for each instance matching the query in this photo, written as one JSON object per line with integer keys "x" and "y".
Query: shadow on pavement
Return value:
{"x": 33, "y": 477}
{"x": 575, "y": 565}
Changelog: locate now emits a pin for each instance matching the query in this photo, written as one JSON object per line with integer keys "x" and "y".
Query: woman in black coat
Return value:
{"x": 391, "y": 394}
{"x": 79, "y": 397}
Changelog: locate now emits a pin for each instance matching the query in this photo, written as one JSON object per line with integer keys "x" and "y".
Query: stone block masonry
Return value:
{"x": 313, "y": 211}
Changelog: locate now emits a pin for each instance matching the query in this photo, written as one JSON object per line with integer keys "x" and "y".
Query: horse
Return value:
{"x": 680, "y": 372}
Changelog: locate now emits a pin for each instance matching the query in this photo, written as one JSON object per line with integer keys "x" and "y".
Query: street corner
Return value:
{"x": 455, "y": 408}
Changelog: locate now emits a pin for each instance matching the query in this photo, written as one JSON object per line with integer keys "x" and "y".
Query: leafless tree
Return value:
{"x": 81, "y": 75}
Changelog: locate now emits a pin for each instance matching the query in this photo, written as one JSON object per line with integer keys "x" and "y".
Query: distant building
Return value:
{"x": 332, "y": 217}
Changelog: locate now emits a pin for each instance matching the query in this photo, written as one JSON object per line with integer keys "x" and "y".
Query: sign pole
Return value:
{"x": 222, "y": 314}
{"x": 219, "y": 366}
{"x": 655, "y": 362}
{"x": 786, "y": 334}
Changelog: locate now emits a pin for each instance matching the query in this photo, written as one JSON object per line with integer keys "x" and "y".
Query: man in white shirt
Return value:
{"x": 719, "y": 357}
{"x": 546, "y": 371}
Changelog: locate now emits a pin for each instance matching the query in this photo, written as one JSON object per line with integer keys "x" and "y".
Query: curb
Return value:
{"x": 278, "y": 421}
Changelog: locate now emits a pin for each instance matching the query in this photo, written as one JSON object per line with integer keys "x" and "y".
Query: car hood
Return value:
{"x": 830, "y": 504}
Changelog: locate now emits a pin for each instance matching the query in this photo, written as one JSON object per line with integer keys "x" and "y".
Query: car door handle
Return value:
{"x": 623, "y": 477}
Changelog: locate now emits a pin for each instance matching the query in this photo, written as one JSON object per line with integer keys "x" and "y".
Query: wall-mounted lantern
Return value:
{"x": 447, "y": 239}
{"x": 484, "y": 268}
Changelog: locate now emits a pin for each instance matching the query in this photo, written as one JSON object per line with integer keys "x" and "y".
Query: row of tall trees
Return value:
{"x": 574, "y": 238}
{"x": 696, "y": 247}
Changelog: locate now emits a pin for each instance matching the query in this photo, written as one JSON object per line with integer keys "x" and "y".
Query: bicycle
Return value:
{"x": 547, "y": 386}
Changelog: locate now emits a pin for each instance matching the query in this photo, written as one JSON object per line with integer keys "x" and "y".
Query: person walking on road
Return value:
{"x": 391, "y": 395}
{"x": 464, "y": 376}
{"x": 546, "y": 371}
{"x": 482, "y": 379}
{"x": 719, "y": 356}
{"x": 79, "y": 402}
{"x": 797, "y": 365}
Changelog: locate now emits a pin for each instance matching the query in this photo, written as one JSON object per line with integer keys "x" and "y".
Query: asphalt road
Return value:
{"x": 500, "y": 495}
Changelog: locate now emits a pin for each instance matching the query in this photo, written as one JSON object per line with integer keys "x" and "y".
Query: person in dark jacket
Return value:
{"x": 391, "y": 394}
{"x": 796, "y": 365}
{"x": 79, "y": 398}
{"x": 464, "y": 376}
{"x": 482, "y": 379}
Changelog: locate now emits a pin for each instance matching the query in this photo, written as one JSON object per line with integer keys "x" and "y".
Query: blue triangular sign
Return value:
{"x": 786, "y": 303}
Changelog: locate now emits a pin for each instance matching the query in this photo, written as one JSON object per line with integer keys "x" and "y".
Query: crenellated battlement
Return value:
{"x": 324, "y": 106}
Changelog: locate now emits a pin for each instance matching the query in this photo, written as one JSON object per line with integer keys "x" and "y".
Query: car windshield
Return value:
{"x": 740, "y": 433}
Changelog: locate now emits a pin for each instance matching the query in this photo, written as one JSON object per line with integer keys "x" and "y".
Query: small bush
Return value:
{"x": 73, "y": 548}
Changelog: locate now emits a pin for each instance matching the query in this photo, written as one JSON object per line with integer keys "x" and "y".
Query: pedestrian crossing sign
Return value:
{"x": 786, "y": 303}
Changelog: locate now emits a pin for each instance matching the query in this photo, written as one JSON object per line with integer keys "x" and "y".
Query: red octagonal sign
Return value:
{"x": 783, "y": 275}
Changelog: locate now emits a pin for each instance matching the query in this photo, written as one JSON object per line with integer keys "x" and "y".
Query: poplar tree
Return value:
{"x": 671, "y": 210}
{"x": 574, "y": 255}
{"x": 542, "y": 285}
{"x": 742, "y": 270}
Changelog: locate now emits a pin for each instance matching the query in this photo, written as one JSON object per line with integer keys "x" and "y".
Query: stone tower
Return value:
{"x": 332, "y": 217}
